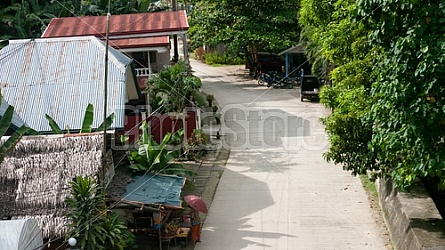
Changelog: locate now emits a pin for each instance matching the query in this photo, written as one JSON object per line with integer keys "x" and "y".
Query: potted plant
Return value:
{"x": 210, "y": 99}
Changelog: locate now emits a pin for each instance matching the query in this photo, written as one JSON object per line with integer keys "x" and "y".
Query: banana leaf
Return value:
{"x": 6, "y": 119}
{"x": 137, "y": 167}
{"x": 176, "y": 137}
{"x": 53, "y": 124}
{"x": 12, "y": 141}
{"x": 107, "y": 123}
{"x": 145, "y": 137}
{"x": 88, "y": 119}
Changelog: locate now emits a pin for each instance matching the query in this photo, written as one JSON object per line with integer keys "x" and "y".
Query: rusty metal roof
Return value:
{"x": 60, "y": 77}
{"x": 125, "y": 43}
{"x": 129, "y": 24}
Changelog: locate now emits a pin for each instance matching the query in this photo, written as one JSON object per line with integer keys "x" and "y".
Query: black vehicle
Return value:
{"x": 283, "y": 83}
{"x": 310, "y": 87}
{"x": 267, "y": 78}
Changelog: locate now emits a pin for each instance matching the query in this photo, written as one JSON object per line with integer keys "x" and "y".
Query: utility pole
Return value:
{"x": 104, "y": 150}
{"x": 175, "y": 37}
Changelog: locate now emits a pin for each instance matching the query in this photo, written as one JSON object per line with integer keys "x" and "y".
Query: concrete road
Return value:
{"x": 277, "y": 191}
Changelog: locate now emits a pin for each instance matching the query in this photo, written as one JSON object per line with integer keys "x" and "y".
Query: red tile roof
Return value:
{"x": 124, "y": 43}
{"x": 140, "y": 23}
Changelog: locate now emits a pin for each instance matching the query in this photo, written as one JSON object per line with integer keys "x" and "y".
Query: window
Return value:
{"x": 141, "y": 59}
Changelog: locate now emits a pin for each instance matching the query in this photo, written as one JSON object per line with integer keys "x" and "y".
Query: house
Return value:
{"x": 145, "y": 37}
{"x": 35, "y": 177}
{"x": 60, "y": 77}
{"x": 295, "y": 61}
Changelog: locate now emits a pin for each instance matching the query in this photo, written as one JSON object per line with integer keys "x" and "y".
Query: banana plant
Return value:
{"x": 152, "y": 157}
{"x": 5, "y": 123}
{"x": 86, "y": 124}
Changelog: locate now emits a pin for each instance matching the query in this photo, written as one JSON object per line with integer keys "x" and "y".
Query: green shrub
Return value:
{"x": 214, "y": 58}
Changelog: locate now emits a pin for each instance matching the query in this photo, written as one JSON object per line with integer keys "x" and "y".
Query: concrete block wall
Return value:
{"x": 412, "y": 218}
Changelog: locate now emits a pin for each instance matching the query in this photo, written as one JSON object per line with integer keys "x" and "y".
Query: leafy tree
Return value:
{"x": 408, "y": 113}
{"x": 387, "y": 94}
{"x": 333, "y": 37}
{"x": 25, "y": 19}
{"x": 90, "y": 224}
{"x": 245, "y": 25}
{"x": 29, "y": 18}
{"x": 152, "y": 157}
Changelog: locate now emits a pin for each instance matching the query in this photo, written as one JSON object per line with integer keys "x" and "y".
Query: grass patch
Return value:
{"x": 218, "y": 65}
{"x": 369, "y": 186}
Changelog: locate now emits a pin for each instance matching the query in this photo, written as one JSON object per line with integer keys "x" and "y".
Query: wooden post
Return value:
{"x": 104, "y": 153}
{"x": 175, "y": 37}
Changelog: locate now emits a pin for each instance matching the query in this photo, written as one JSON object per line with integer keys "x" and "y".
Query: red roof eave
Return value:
{"x": 124, "y": 43}
{"x": 120, "y": 25}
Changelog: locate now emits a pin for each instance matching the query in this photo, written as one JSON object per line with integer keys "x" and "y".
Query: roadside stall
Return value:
{"x": 154, "y": 204}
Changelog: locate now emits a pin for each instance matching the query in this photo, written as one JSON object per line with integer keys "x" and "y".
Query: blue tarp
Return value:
{"x": 155, "y": 189}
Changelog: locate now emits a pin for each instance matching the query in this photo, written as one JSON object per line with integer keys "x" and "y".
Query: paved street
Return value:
{"x": 277, "y": 191}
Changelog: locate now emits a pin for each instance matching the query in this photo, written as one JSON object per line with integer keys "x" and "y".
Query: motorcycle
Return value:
{"x": 267, "y": 78}
{"x": 285, "y": 82}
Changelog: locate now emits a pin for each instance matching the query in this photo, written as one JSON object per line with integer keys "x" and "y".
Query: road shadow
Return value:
{"x": 258, "y": 128}
{"x": 236, "y": 209}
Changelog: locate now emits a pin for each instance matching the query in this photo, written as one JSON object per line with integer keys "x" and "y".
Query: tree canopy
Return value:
{"x": 409, "y": 115}
{"x": 332, "y": 36}
{"x": 29, "y": 18}
{"x": 387, "y": 93}
{"x": 270, "y": 25}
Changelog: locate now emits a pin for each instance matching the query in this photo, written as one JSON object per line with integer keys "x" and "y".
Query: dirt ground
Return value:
{"x": 377, "y": 215}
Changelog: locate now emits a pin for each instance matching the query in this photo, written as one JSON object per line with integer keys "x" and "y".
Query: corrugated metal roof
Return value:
{"x": 60, "y": 76}
{"x": 140, "y": 23}
{"x": 157, "y": 41}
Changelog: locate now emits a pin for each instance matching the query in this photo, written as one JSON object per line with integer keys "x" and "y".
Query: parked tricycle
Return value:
{"x": 310, "y": 87}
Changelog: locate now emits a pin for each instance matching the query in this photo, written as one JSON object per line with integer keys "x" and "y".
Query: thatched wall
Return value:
{"x": 35, "y": 177}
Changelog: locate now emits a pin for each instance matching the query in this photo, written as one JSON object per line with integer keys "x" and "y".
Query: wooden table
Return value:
{"x": 183, "y": 232}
